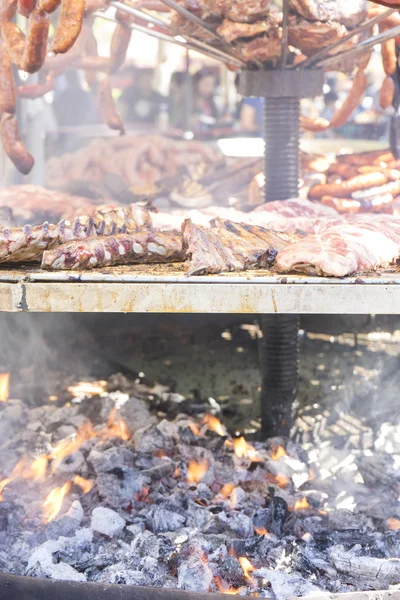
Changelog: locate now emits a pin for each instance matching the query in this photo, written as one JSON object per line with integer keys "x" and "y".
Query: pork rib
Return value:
{"x": 120, "y": 249}
{"x": 228, "y": 246}
{"x": 360, "y": 245}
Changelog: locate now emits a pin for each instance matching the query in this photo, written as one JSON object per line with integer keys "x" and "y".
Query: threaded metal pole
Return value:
{"x": 279, "y": 360}
{"x": 282, "y": 139}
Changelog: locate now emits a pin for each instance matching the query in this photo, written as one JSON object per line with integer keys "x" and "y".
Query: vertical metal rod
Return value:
{"x": 279, "y": 355}
{"x": 188, "y": 93}
{"x": 282, "y": 142}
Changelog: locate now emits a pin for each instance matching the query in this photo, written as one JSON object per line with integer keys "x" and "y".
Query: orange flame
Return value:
{"x": 302, "y": 504}
{"x": 224, "y": 588}
{"x": 23, "y": 470}
{"x": 261, "y": 531}
{"x": 194, "y": 429}
{"x": 282, "y": 480}
{"x": 227, "y": 490}
{"x": 54, "y": 501}
{"x": 4, "y": 386}
{"x": 85, "y": 484}
{"x": 196, "y": 471}
{"x": 116, "y": 426}
{"x": 277, "y": 452}
{"x": 243, "y": 449}
{"x": 393, "y": 524}
{"x": 214, "y": 424}
{"x": 247, "y": 568}
{"x": 87, "y": 389}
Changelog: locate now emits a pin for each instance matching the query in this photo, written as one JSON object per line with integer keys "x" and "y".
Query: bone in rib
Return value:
{"x": 101, "y": 251}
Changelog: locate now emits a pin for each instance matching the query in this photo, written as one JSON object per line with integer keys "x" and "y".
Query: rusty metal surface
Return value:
{"x": 166, "y": 289}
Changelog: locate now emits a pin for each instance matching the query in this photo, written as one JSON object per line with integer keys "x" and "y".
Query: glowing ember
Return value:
{"x": 54, "y": 501}
{"x": 177, "y": 472}
{"x": 214, "y": 424}
{"x": 4, "y": 386}
{"x": 393, "y": 524}
{"x": 87, "y": 389}
{"x": 278, "y": 452}
{"x": 302, "y": 504}
{"x": 247, "y": 568}
{"x": 85, "y": 484}
{"x": 194, "y": 429}
{"x": 116, "y": 426}
{"x": 260, "y": 531}
{"x": 282, "y": 480}
{"x": 224, "y": 588}
{"x": 196, "y": 471}
{"x": 243, "y": 449}
{"x": 233, "y": 500}
{"x": 227, "y": 490}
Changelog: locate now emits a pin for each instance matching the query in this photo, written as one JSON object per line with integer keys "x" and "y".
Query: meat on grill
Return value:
{"x": 29, "y": 201}
{"x": 311, "y": 36}
{"x": 228, "y": 246}
{"x": 242, "y": 11}
{"x": 295, "y": 207}
{"x": 263, "y": 48}
{"x": 348, "y": 12}
{"x": 360, "y": 245}
{"x": 120, "y": 249}
{"x": 231, "y": 31}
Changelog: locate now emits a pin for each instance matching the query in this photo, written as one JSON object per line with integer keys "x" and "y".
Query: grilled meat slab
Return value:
{"x": 228, "y": 246}
{"x": 264, "y": 48}
{"x": 312, "y": 36}
{"x": 120, "y": 249}
{"x": 231, "y": 31}
{"x": 348, "y": 12}
{"x": 242, "y": 11}
{"x": 360, "y": 245}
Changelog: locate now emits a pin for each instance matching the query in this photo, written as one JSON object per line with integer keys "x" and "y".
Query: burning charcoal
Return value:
{"x": 42, "y": 561}
{"x": 118, "y": 574}
{"x": 262, "y": 520}
{"x": 146, "y": 544}
{"x": 286, "y": 585}
{"x": 150, "y": 439}
{"x": 194, "y": 575}
{"x": 109, "y": 459}
{"x": 120, "y": 485}
{"x": 166, "y": 520}
{"x": 203, "y": 493}
{"x": 135, "y": 414}
{"x": 383, "y": 572}
{"x": 231, "y": 571}
{"x": 159, "y": 471}
{"x": 152, "y": 571}
{"x": 135, "y": 529}
{"x": 279, "y": 514}
{"x": 242, "y": 525}
{"x": 107, "y": 521}
{"x": 343, "y": 519}
{"x": 71, "y": 464}
{"x": 63, "y": 432}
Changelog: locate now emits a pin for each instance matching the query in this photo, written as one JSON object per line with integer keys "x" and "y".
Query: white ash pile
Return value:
{"x": 100, "y": 489}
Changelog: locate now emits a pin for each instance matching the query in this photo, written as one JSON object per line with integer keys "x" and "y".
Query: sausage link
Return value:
{"x": 69, "y": 25}
{"x": 7, "y": 87}
{"x": 386, "y": 95}
{"x": 48, "y": 6}
{"x": 342, "y": 205}
{"x": 343, "y": 170}
{"x": 119, "y": 47}
{"x": 13, "y": 144}
{"x": 346, "y": 188}
{"x": 25, "y": 7}
{"x": 108, "y": 108}
{"x": 352, "y": 101}
{"x": 14, "y": 41}
{"x": 8, "y": 8}
{"x": 36, "y": 41}
{"x": 36, "y": 90}
{"x": 389, "y": 60}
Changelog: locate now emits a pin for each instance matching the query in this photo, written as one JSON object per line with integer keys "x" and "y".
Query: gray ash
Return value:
{"x": 181, "y": 504}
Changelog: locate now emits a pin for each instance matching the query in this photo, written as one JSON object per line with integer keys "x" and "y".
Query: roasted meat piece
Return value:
{"x": 115, "y": 250}
{"x": 349, "y": 13}
{"x": 360, "y": 245}
{"x": 228, "y": 246}
{"x": 264, "y": 48}
{"x": 242, "y": 11}
{"x": 231, "y": 30}
{"x": 311, "y": 36}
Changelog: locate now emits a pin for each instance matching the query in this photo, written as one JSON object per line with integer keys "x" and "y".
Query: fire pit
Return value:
{"x": 100, "y": 488}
